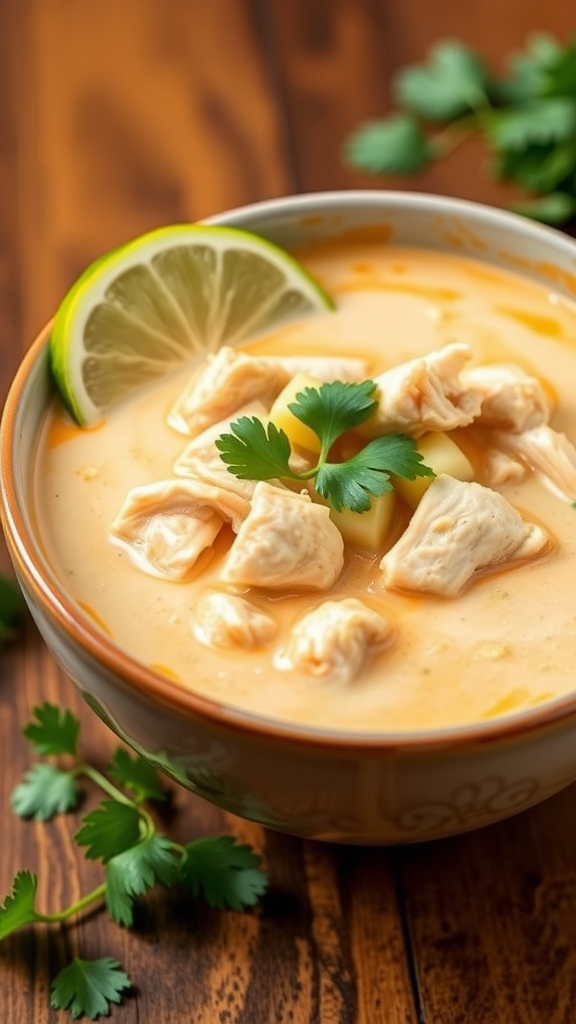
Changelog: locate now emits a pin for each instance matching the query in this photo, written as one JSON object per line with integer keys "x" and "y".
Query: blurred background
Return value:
{"x": 120, "y": 115}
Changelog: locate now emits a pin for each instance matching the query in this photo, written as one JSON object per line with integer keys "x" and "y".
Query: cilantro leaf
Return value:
{"x": 254, "y": 451}
{"x": 345, "y": 489}
{"x": 226, "y": 873}
{"x": 453, "y": 82}
{"x": 88, "y": 987}
{"x": 12, "y": 606}
{"x": 136, "y": 870}
{"x": 44, "y": 792}
{"x": 330, "y": 411}
{"x": 352, "y": 484}
{"x": 137, "y": 774}
{"x": 539, "y": 169}
{"x": 52, "y": 731}
{"x": 109, "y": 830}
{"x": 396, "y": 145}
{"x": 334, "y": 408}
{"x": 555, "y": 208}
{"x": 18, "y": 908}
{"x": 396, "y": 453}
{"x": 542, "y": 120}
{"x": 561, "y": 73}
{"x": 529, "y": 69}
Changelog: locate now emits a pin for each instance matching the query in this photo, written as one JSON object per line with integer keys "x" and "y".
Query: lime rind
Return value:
{"x": 168, "y": 325}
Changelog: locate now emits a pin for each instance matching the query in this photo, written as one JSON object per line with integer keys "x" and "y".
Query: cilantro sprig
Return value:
{"x": 257, "y": 451}
{"x": 526, "y": 119}
{"x": 122, "y": 834}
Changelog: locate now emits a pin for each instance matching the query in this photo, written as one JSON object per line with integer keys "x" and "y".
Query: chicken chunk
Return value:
{"x": 221, "y": 386}
{"x": 510, "y": 398}
{"x": 425, "y": 394}
{"x": 202, "y": 459}
{"x": 500, "y": 468}
{"x": 165, "y": 526}
{"x": 324, "y": 368}
{"x": 287, "y": 541}
{"x": 547, "y": 452}
{"x": 458, "y": 529}
{"x": 333, "y": 640}
{"x": 228, "y": 620}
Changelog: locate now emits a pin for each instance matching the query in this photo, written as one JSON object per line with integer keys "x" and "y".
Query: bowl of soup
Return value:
{"x": 385, "y": 676}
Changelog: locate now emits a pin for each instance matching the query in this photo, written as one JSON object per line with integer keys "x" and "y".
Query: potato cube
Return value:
{"x": 443, "y": 455}
{"x": 367, "y": 530}
{"x": 280, "y": 415}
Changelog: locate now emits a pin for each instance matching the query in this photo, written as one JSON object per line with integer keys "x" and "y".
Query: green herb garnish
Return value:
{"x": 121, "y": 833}
{"x": 11, "y": 608}
{"x": 526, "y": 118}
{"x": 255, "y": 451}
{"x": 89, "y": 987}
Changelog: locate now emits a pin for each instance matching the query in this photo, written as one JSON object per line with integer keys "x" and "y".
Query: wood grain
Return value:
{"x": 491, "y": 917}
{"x": 118, "y": 117}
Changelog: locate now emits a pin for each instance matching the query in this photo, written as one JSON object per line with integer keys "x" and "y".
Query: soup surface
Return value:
{"x": 508, "y": 642}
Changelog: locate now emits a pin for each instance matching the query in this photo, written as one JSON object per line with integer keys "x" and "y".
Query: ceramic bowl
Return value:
{"x": 326, "y": 785}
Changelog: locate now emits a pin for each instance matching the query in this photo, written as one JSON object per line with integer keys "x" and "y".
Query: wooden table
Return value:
{"x": 116, "y": 117}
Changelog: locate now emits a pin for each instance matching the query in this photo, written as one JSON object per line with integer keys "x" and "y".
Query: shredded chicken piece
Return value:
{"x": 228, "y": 620}
{"x": 286, "y": 541}
{"x": 457, "y": 529}
{"x": 425, "y": 394}
{"x": 499, "y": 468}
{"x": 201, "y": 457}
{"x": 332, "y": 641}
{"x": 324, "y": 368}
{"x": 547, "y": 452}
{"x": 510, "y": 398}
{"x": 224, "y": 383}
{"x": 165, "y": 526}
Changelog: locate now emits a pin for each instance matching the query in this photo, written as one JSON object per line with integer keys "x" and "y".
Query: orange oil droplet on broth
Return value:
{"x": 61, "y": 429}
{"x": 96, "y": 618}
{"x": 164, "y": 670}
{"x": 365, "y": 234}
{"x": 362, "y": 268}
{"x": 548, "y": 326}
{"x": 511, "y": 702}
{"x": 379, "y": 284}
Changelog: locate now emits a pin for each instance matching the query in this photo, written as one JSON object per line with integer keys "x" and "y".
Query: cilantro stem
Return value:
{"x": 448, "y": 140}
{"x": 108, "y": 787}
{"x": 146, "y": 818}
{"x": 97, "y": 777}
{"x": 74, "y": 908}
{"x": 306, "y": 474}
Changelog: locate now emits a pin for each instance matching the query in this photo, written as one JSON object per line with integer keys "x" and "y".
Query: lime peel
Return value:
{"x": 144, "y": 309}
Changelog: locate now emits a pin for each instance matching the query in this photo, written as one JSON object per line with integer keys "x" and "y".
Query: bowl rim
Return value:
{"x": 33, "y": 567}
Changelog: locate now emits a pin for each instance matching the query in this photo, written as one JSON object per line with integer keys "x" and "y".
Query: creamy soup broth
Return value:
{"x": 508, "y": 643}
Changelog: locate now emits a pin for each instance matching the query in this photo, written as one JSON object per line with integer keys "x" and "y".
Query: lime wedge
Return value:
{"x": 138, "y": 313}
